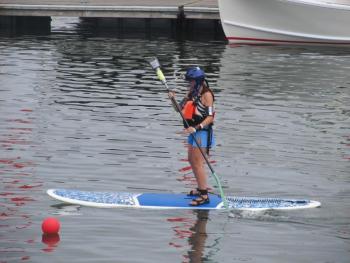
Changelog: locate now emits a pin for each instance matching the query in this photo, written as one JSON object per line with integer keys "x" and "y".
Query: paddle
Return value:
{"x": 156, "y": 66}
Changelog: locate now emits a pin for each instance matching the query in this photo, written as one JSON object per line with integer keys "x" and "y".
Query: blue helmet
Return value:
{"x": 195, "y": 73}
{"x": 198, "y": 76}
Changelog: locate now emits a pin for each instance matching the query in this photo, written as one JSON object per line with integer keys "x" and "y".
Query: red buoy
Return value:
{"x": 50, "y": 225}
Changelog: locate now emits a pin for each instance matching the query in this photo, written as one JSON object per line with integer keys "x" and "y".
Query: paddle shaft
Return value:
{"x": 178, "y": 109}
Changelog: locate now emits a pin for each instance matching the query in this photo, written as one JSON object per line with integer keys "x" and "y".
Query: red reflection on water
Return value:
{"x": 172, "y": 244}
{"x": 178, "y": 219}
{"x": 232, "y": 45}
{"x": 181, "y": 229}
{"x": 190, "y": 232}
{"x": 189, "y": 168}
{"x": 8, "y": 160}
{"x": 15, "y": 141}
{"x": 26, "y": 186}
{"x": 23, "y": 164}
{"x": 18, "y": 183}
{"x": 6, "y": 194}
{"x": 19, "y": 201}
{"x": 21, "y": 130}
{"x": 21, "y": 121}
{"x": 51, "y": 241}
{"x": 4, "y": 215}
{"x": 185, "y": 169}
{"x": 188, "y": 179}
{"x": 16, "y": 163}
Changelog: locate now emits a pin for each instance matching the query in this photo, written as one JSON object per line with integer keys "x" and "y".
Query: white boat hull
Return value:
{"x": 286, "y": 21}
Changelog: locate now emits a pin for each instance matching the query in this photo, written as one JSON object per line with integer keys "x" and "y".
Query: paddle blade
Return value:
{"x": 154, "y": 63}
{"x": 156, "y": 66}
{"x": 160, "y": 75}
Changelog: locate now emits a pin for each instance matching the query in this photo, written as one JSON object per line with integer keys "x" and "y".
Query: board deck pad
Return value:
{"x": 174, "y": 201}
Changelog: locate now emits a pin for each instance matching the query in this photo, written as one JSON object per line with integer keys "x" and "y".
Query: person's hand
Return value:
{"x": 190, "y": 130}
{"x": 171, "y": 94}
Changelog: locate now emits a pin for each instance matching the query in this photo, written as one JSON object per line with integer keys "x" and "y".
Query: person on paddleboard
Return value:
{"x": 198, "y": 111}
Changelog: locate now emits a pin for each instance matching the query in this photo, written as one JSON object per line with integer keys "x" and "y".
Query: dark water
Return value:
{"x": 85, "y": 111}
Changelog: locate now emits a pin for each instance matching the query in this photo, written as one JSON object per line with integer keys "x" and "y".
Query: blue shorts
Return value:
{"x": 202, "y": 139}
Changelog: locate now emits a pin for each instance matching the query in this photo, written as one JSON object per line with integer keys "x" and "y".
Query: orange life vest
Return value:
{"x": 188, "y": 110}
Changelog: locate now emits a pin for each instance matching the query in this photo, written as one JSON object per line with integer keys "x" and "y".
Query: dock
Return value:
{"x": 180, "y": 16}
{"x": 171, "y": 9}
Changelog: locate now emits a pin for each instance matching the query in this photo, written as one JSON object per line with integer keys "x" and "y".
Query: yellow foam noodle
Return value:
{"x": 160, "y": 74}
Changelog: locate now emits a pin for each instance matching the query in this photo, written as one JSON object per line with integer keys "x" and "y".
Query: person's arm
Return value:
{"x": 208, "y": 102}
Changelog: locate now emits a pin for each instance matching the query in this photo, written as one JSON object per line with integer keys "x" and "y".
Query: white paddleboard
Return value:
{"x": 174, "y": 201}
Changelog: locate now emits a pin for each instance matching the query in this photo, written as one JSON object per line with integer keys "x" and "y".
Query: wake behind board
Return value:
{"x": 174, "y": 201}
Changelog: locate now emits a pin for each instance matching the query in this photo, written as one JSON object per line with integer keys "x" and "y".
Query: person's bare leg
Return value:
{"x": 197, "y": 163}
{"x": 196, "y": 160}
{"x": 192, "y": 162}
